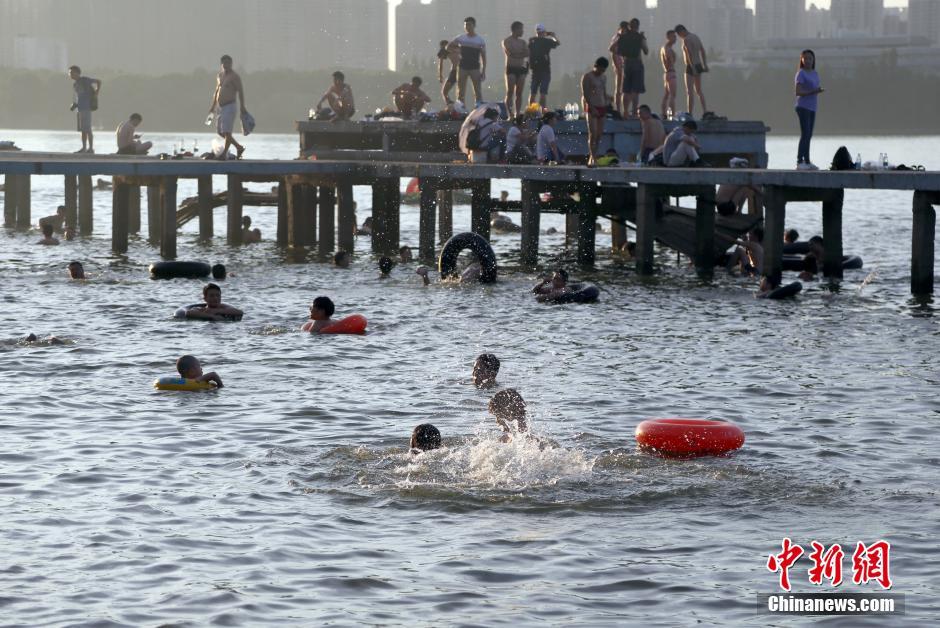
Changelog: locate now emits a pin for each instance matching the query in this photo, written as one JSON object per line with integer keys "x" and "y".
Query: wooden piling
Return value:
{"x": 572, "y": 221}
{"x": 646, "y": 197}
{"x": 282, "y": 210}
{"x": 386, "y": 205}
{"x": 922, "y": 243}
{"x": 233, "y": 233}
{"x": 327, "y": 207}
{"x": 612, "y": 199}
{"x": 154, "y": 213}
{"x": 346, "y": 219}
{"x": 393, "y": 217}
{"x": 445, "y": 215}
{"x": 705, "y": 234}
{"x": 775, "y": 214}
{"x": 86, "y": 210}
{"x": 133, "y": 207}
{"x": 378, "y": 216}
{"x": 10, "y": 200}
{"x": 308, "y": 221}
{"x": 529, "y": 254}
{"x": 295, "y": 216}
{"x": 168, "y": 220}
{"x": 24, "y": 202}
{"x": 426, "y": 219}
{"x": 71, "y": 202}
{"x": 832, "y": 234}
{"x": 206, "y": 226}
{"x": 587, "y": 234}
{"x": 480, "y": 202}
{"x": 120, "y": 216}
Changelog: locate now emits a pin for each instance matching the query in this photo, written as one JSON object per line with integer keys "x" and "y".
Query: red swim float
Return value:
{"x": 354, "y": 324}
{"x": 688, "y": 438}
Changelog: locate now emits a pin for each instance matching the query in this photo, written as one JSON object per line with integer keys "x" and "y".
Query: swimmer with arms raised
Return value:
{"x": 485, "y": 369}
{"x": 470, "y": 274}
{"x": 213, "y": 309}
{"x": 189, "y": 367}
{"x": 321, "y": 310}
{"x": 552, "y": 288}
{"x": 509, "y": 408}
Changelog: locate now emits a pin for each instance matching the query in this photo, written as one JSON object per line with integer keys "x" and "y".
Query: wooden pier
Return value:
{"x": 315, "y": 206}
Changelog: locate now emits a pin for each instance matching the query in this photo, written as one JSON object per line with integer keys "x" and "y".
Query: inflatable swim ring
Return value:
{"x": 797, "y": 263}
{"x": 783, "y": 292}
{"x": 181, "y": 312}
{"x": 182, "y": 384}
{"x": 173, "y": 270}
{"x": 688, "y": 438}
{"x": 796, "y": 248}
{"x": 447, "y": 264}
{"x": 581, "y": 294}
{"x": 353, "y": 324}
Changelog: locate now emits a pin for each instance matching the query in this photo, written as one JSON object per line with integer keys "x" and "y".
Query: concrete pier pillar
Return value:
{"x": 612, "y": 200}
{"x": 309, "y": 199}
{"x": 571, "y": 228}
{"x": 233, "y": 232}
{"x": 10, "y": 200}
{"x": 378, "y": 216}
{"x": 529, "y": 254}
{"x": 427, "y": 218}
{"x": 206, "y": 226}
{"x": 480, "y": 206}
{"x": 646, "y": 199}
{"x": 327, "y": 208}
{"x": 832, "y": 234}
{"x": 282, "y": 213}
{"x": 296, "y": 223}
{"x": 393, "y": 217}
{"x": 922, "y": 243}
{"x": 120, "y": 216}
{"x": 775, "y": 215}
{"x": 168, "y": 218}
{"x": 386, "y": 208}
{"x": 154, "y": 213}
{"x": 24, "y": 202}
{"x": 705, "y": 235}
{"x": 445, "y": 215}
{"x": 133, "y": 207}
{"x": 346, "y": 218}
{"x": 86, "y": 210}
{"x": 71, "y": 203}
{"x": 587, "y": 234}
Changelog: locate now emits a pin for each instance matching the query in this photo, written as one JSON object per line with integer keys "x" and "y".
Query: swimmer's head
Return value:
{"x": 30, "y": 338}
{"x": 405, "y": 254}
{"x": 560, "y": 278}
{"x": 790, "y": 236}
{"x": 212, "y": 295}
{"x": 188, "y": 366}
{"x": 322, "y": 309}
{"x": 385, "y": 266}
{"x": 509, "y": 408}
{"x": 246, "y": 222}
{"x": 817, "y": 246}
{"x": 341, "y": 259}
{"x": 60, "y": 210}
{"x": 425, "y": 437}
{"x": 47, "y": 230}
{"x": 218, "y": 272}
{"x": 76, "y": 270}
{"x": 485, "y": 369}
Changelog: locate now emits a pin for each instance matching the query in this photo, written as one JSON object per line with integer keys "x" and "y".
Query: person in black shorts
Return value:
{"x": 629, "y": 45}
{"x": 540, "y": 47}
{"x": 516, "y": 50}
{"x": 445, "y": 54}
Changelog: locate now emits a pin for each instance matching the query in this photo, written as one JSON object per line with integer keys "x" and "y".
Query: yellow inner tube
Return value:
{"x": 180, "y": 383}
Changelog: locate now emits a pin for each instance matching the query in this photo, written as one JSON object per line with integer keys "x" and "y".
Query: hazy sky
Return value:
{"x": 820, "y": 3}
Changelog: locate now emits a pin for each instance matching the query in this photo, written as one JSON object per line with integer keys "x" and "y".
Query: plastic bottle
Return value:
{"x": 210, "y": 118}
{"x": 858, "y": 161}
{"x": 195, "y": 147}
{"x": 884, "y": 162}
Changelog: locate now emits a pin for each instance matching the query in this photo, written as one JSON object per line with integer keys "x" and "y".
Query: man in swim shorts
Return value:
{"x": 695, "y": 65}
{"x": 654, "y": 134}
{"x": 228, "y": 101}
{"x": 631, "y": 45}
{"x": 540, "y": 62}
{"x": 670, "y": 82}
{"x": 213, "y": 309}
{"x": 447, "y": 53}
{"x": 86, "y": 100}
{"x": 340, "y": 97}
{"x": 517, "y": 57}
{"x": 595, "y": 101}
{"x": 472, "y": 64}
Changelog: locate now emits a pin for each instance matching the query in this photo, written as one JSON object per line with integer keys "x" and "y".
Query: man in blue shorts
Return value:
{"x": 86, "y": 101}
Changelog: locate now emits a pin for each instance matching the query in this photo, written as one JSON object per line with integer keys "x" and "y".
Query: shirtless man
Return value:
{"x": 618, "y": 66}
{"x": 472, "y": 62}
{"x": 653, "y": 133}
{"x": 409, "y": 98}
{"x": 668, "y": 58}
{"x": 451, "y": 54}
{"x": 128, "y": 141}
{"x": 695, "y": 65}
{"x": 340, "y": 97}
{"x": 228, "y": 89}
{"x": 517, "y": 57}
{"x": 631, "y": 45}
{"x": 594, "y": 100}
{"x": 57, "y": 220}
{"x": 213, "y": 309}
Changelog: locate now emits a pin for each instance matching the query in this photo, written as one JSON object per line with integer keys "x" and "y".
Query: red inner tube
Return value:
{"x": 688, "y": 438}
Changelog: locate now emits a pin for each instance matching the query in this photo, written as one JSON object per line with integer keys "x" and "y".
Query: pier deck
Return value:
{"x": 311, "y": 191}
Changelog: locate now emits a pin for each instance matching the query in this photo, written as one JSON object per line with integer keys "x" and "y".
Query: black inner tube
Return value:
{"x": 789, "y": 290}
{"x": 447, "y": 264}
{"x": 586, "y": 293}
{"x": 171, "y": 270}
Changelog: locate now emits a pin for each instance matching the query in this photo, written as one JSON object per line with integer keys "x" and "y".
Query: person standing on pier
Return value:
{"x": 85, "y": 101}
{"x": 540, "y": 48}
{"x": 447, "y": 53}
{"x": 340, "y": 97}
{"x": 517, "y": 57}
{"x": 618, "y": 66}
{"x": 630, "y": 45}
{"x": 695, "y": 65}
{"x": 807, "y": 89}
{"x": 472, "y": 62}
{"x": 594, "y": 100}
{"x": 228, "y": 90}
{"x": 670, "y": 82}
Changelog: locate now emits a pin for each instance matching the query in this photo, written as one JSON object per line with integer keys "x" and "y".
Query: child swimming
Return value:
{"x": 189, "y": 367}
{"x": 485, "y": 369}
{"x": 321, "y": 310}
{"x": 509, "y": 408}
{"x": 425, "y": 437}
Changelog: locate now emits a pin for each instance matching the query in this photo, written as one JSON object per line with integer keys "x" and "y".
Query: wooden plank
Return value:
{"x": 205, "y": 200}
{"x": 154, "y": 213}
{"x": 427, "y": 218}
{"x": 705, "y": 234}
{"x": 529, "y": 254}
{"x": 86, "y": 210}
{"x": 24, "y": 202}
{"x": 296, "y": 234}
{"x": 832, "y": 235}
{"x": 120, "y": 217}
{"x": 71, "y": 203}
{"x": 775, "y": 214}
{"x": 480, "y": 208}
{"x": 445, "y": 215}
{"x": 327, "y": 208}
{"x": 233, "y": 233}
{"x": 168, "y": 219}
{"x": 346, "y": 217}
{"x": 922, "y": 244}
{"x": 282, "y": 209}
{"x": 10, "y": 199}
{"x": 646, "y": 198}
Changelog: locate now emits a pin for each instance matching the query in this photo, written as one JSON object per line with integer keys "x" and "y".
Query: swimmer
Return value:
{"x": 628, "y": 250}
{"x": 509, "y": 408}
{"x": 790, "y": 236}
{"x": 189, "y": 367}
{"x": 249, "y": 235}
{"x": 341, "y": 259}
{"x": 552, "y": 287}
{"x": 485, "y": 369}
{"x": 471, "y": 274}
{"x": 47, "y": 238}
{"x": 366, "y": 228}
{"x": 405, "y": 254}
{"x": 768, "y": 285}
{"x": 76, "y": 270}
{"x": 52, "y": 340}
{"x": 57, "y": 220}
{"x": 321, "y": 310}
{"x": 385, "y": 267}
{"x": 814, "y": 259}
{"x": 218, "y": 272}
{"x": 425, "y": 437}
{"x": 213, "y": 309}
{"x": 749, "y": 254}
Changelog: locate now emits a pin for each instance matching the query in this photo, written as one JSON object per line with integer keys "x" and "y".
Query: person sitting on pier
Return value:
{"x": 546, "y": 145}
{"x": 749, "y": 254}
{"x": 425, "y": 437}
{"x": 730, "y": 198}
{"x": 552, "y": 287}
{"x": 213, "y": 309}
{"x": 518, "y": 139}
{"x": 405, "y": 255}
{"x": 653, "y": 134}
{"x": 486, "y": 141}
{"x": 321, "y": 310}
{"x": 47, "y": 238}
{"x": 366, "y": 228}
{"x": 249, "y": 235}
{"x": 790, "y": 236}
{"x": 189, "y": 367}
{"x": 385, "y": 267}
{"x": 509, "y": 408}
{"x": 340, "y": 97}
{"x": 680, "y": 150}
{"x": 813, "y": 260}
{"x": 341, "y": 259}
{"x": 76, "y": 270}
{"x": 128, "y": 142}
{"x": 409, "y": 98}
{"x": 57, "y": 220}
{"x": 485, "y": 370}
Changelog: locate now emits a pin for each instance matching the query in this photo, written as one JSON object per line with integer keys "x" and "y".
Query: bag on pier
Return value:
{"x": 842, "y": 160}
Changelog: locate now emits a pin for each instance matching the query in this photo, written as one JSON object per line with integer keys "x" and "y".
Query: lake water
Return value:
{"x": 288, "y": 497}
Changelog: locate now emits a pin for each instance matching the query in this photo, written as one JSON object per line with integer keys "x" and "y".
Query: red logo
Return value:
{"x": 872, "y": 563}
{"x": 783, "y": 561}
{"x": 869, "y": 563}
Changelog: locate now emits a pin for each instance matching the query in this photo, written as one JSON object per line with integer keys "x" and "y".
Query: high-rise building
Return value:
{"x": 817, "y": 23}
{"x": 923, "y": 18}
{"x": 779, "y": 19}
{"x": 721, "y": 24}
{"x": 857, "y": 17}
